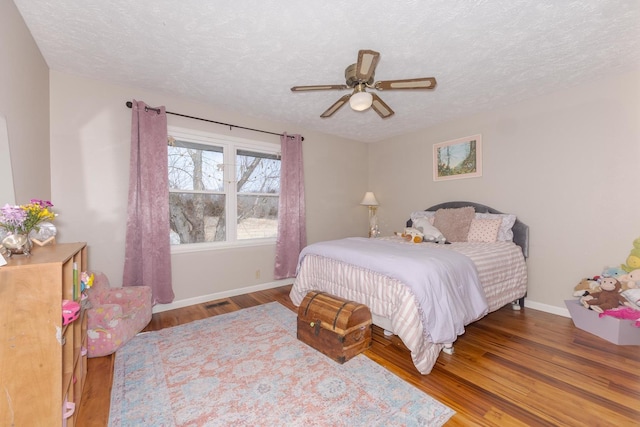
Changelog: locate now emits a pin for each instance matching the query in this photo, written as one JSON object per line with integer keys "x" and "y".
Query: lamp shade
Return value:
{"x": 360, "y": 101}
{"x": 369, "y": 199}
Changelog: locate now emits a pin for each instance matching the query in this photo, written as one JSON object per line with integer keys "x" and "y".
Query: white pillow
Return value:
{"x": 484, "y": 230}
{"x": 505, "y": 234}
{"x": 430, "y": 232}
{"x": 633, "y": 296}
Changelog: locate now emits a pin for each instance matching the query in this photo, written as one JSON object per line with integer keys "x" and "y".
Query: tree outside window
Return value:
{"x": 222, "y": 190}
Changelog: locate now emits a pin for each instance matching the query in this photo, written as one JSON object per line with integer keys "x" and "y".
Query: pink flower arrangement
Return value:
{"x": 24, "y": 218}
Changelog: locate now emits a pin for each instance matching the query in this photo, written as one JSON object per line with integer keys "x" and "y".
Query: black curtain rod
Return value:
{"x": 157, "y": 110}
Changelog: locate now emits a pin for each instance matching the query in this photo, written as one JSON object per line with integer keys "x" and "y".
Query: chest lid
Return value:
{"x": 334, "y": 313}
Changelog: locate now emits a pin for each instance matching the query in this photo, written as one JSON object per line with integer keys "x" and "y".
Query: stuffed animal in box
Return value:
{"x": 633, "y": 260}
{"x": 614, "y": 272}
{"x": 609, "y": 297}
{"x": 586, "y": 287}
{"x": 624, "y": 313}
{"x": 630, "y": 280}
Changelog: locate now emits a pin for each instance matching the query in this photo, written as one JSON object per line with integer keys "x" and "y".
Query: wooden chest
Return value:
{"x": 336, "y": 327}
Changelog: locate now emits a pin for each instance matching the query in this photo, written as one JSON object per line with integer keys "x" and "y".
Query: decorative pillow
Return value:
{"x": 454, "y": 223}
{"x": 505, "y": 232}
{"x": 484, "y": 230}
{"x": 430, "y": 232}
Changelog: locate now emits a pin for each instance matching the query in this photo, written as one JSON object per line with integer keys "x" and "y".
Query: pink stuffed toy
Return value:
{"x": 624, "y": 313}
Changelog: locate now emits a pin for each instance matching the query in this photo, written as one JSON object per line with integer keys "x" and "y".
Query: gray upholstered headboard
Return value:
{"x": 520, "y": 229}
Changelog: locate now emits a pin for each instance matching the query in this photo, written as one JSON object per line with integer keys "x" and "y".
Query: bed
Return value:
{"x": 426, "y": 293}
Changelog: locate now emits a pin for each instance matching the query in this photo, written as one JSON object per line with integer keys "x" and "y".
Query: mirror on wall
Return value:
{"x": 7, "y": 192}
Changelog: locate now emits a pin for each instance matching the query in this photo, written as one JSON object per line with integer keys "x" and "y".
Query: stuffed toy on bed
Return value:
{"x": 429, "y": 232}
{"x": 412, "y": 235}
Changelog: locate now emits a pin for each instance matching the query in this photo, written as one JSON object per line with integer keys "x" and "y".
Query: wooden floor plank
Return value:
{"x": 511, "y": 368}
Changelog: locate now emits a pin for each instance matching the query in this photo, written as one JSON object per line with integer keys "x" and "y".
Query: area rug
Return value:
{"x": 247, "y": 368}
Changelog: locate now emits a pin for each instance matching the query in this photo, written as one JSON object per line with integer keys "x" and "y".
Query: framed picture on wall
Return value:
{"x": 459, "y": 158}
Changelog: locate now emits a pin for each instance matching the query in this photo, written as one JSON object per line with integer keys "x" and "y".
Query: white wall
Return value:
{"x": 24, "y": 101}
{"x": 90, "y": 139}
{"x": 567, "y": 164}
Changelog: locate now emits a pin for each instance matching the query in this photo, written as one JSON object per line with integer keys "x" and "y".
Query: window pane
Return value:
{"x": 257, "y": 172}
{"x": 195, "y": 167}
{"x": 257, "y": 216}
{"x": 197, "y": 218}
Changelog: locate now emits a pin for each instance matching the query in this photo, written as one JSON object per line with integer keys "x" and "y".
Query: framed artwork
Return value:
{"x": 460, "y": 158}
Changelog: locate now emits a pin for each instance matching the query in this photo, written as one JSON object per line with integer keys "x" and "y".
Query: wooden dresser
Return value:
{"x": 43, "y": 364}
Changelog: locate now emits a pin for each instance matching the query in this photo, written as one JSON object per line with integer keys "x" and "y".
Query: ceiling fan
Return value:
{"x": 360, "y": 76}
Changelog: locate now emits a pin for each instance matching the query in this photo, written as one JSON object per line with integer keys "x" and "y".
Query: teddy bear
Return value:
{"x": 609, "y": 297}
{"x": 630, "y": 280}
{"x": 633, "y": 260}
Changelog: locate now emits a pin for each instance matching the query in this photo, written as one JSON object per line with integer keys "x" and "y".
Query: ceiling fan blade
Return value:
{"x": 380, "y": 107}
{"x": 336, "y": 106}
{"x": 421, "y": 83}
{"x": 318, "y": 87}
{"x": 366, "y": 65}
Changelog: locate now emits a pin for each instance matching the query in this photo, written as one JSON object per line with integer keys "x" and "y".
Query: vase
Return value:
{"x": 16, "y": 244}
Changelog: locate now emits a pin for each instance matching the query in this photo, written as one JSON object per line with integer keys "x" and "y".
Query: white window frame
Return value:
{"x": 230, "y": 145}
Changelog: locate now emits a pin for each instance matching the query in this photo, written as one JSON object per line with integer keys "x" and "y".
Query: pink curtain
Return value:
{"x": 292, "y": 229}
{"x": 147, "y": 251}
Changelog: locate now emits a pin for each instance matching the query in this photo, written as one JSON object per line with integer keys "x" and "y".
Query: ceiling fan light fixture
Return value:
{"x": 360, "y": 76}
{"x": 360, "y": 101}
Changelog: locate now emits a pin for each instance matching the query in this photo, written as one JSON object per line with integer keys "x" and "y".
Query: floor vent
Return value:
{"x": 216, "y": 304}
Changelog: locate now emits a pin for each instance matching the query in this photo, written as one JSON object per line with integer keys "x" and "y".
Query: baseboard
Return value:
{"x": 219, "y": 295}
{"x": 547, "y": 308}
{"x": 269, "y": 285}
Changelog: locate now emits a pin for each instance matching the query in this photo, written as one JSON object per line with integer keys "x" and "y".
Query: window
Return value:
{"x": 222, "y": 189}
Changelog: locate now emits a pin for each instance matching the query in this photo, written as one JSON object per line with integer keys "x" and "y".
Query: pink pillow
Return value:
{"x": 454, "y": 223}
{"x": 484, "y": 230}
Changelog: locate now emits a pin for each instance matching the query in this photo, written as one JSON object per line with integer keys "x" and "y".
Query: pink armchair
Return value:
{"x": 115, "y": 315}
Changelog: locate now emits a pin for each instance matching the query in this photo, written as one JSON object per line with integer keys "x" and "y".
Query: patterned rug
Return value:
{"x": 247, "y": 368}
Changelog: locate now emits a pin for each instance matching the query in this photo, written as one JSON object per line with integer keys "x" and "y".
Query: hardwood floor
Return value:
{"x": 511, "y": 368}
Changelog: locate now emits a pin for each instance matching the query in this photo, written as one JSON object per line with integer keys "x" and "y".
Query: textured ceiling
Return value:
{"x": 244, "y": 56}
